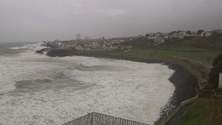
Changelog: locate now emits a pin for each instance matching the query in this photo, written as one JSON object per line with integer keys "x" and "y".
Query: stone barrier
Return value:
{"x": 164, "y": 120}
{"x": 205, "y": 93}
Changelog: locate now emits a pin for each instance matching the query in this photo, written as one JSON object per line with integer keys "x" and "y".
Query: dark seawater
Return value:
{"x": 16, "y": 47}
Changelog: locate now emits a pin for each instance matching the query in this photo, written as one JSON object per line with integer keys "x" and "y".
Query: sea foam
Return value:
{"x": 126, "y": 89}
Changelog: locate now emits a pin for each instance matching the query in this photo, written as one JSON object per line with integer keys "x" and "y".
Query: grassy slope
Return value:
{"x": 200, "y": 54}
{"x": 196, "y": 113}
{"x": 204, "y": 111}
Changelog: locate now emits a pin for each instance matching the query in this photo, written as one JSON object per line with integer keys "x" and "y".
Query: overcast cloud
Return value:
{"x": 40, "y": 20}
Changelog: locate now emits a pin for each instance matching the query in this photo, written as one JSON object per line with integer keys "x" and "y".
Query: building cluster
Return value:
{"x": 114, "y": 43}
{"x": 161, "y": 37}
{"x": 84, "y": 44}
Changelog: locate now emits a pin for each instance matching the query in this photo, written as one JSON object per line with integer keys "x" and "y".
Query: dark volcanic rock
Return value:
{"x": 60, "y": 53}
{"x": 42, "y": 51}
{"x": 186, "y": 86}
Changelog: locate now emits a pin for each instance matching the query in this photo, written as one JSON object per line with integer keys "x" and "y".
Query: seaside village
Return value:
{"x": 115, "y": 43}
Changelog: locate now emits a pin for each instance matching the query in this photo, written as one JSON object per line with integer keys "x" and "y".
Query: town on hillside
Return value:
{"x": 115, "y": 43}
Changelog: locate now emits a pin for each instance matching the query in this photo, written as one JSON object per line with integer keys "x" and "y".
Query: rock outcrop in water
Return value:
{"x": 42, "y": 51}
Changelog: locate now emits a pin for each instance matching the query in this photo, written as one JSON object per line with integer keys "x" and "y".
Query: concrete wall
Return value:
{"x": 205, "y": 93}
{"x": 164, "y": 120}
{"x": 220, "y": 81}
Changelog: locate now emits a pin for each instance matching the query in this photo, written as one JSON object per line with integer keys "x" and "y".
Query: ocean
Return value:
{"x": 37, "y": 89}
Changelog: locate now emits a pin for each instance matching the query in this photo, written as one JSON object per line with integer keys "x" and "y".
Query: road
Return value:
{"x": 206, "y": 65}
{"x": 177, "y": 118}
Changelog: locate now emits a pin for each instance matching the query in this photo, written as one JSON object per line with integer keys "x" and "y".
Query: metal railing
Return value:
{"x": 101, "y": 119}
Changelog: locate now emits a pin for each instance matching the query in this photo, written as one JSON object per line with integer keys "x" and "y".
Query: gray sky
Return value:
{"x": 40, "y": 20}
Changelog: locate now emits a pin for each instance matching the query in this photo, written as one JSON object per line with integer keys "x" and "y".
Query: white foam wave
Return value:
{"x": 29, "y": 48}
{"x": 22, "y": 67}
{"x": 131, "y": 90}
{"x": 14, "y": 47}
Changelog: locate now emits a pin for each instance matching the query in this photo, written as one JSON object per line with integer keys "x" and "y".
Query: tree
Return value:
{"x": 188, "y": 32}
{"x": 179, "y": 31}
{"x": 200, "y": 31}
{"x": 214, "y": 73}
{"x": 217, "y": 59}
{"x": 216, "y": 70}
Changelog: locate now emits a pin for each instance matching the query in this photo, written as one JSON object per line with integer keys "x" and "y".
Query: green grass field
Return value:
{"x": 204, "y": 55}
{"x": 196, "y": 113}
{"x": 204, "y": 111}
{"x": 205, "y": 50}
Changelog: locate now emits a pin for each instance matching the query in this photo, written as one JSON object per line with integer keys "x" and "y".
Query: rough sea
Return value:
{"x": 41, "y": 90}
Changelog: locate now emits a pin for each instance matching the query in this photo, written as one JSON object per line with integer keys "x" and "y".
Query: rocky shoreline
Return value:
{"x": 186, "y": 85}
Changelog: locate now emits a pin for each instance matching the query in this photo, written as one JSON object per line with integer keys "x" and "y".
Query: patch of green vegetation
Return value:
{"x": 196, "y": 113}
{"x": 219, "y": 40}
{"x": 210, "y": 86}
{"x": 204, "y": 111}
{"x": 218, "y": 90}
{"x": 211, "y": 42}
{"x": 203, "y": 55}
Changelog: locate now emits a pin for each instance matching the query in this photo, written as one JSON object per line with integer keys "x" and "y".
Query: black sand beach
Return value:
{"x": 186, "y": 85}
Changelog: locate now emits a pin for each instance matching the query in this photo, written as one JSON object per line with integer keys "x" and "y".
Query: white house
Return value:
{"x": 78, "y": 47}
{"x": 165, "y": 37}
{"x": 158, "y": 34}
{"x": 181, "y": 34}
{"x": 158, "y": 41}
{"x": 206, "y": 34}
{"x": 151, "y": 34}
{"x": 187, "y": 35}
{"x": 151, "y": 37}
{"x": 173, "y": 35}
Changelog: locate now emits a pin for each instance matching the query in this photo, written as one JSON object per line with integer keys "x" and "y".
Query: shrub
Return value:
{"x": 217, "y": 59}
{"x": 215, "y": 71}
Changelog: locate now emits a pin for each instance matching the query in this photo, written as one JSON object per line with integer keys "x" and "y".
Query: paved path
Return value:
{"x": 177, "y": 118}
{"x": 207, "y": 65}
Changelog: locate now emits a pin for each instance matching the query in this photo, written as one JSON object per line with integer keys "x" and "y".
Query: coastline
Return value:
{"x": 185, "y": 83}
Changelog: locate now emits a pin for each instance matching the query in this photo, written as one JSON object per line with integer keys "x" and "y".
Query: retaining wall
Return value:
{"x": 164, "y": 120}
{"x": 205, "y": 93}
{"x": 201, "y": 93}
